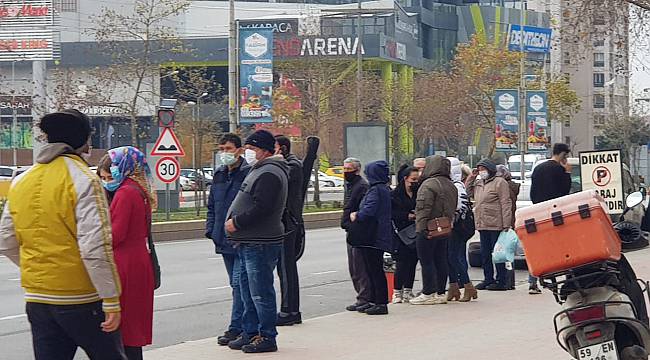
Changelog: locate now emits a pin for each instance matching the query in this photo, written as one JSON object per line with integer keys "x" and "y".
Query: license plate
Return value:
{"x": 602, "y": 351}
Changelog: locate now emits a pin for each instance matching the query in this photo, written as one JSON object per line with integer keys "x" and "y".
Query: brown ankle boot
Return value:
{"x": 453, "y": 293}
{"x": 470, "y": 293}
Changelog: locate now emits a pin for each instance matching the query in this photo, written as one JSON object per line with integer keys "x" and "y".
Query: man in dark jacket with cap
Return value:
{"x": 255, "y": 225}
{"x": 287, "y": 267}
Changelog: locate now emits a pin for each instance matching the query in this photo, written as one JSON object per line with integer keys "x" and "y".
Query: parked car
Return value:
{"x": 186, "y": 184}
{"x": 6, "y": 172}
{"x": 336, "y": 171}
{"x": 329, "y": 181}
{"x": 202, "y": 177}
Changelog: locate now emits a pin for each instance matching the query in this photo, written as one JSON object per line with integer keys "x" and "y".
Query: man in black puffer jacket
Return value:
{"x": 287, "y": 267}
{"x": 255, "y": 225}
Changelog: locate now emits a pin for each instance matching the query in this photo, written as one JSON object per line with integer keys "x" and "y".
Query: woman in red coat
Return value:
{"x": 125, "y": 175}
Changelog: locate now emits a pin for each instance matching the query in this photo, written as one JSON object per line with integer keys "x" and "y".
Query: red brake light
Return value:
{"x": 594, "y": 335}
{"x": 585, "y": 314}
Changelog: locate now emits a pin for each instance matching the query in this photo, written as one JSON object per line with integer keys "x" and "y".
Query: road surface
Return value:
{"x": 194, "y": 300}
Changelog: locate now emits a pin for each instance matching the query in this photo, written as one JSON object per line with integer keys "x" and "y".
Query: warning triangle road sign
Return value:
{"x": 167, "y": 144}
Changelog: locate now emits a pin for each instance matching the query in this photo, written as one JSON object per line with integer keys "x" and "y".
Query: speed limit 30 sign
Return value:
{"x": 168, "y": 170}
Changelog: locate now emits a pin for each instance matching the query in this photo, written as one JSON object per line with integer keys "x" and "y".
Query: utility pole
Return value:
{"x": 522, "y": 96}
{"x": 14, "y": 119}
{"x": 232, "y": 71}
{"x": 359, "y": 63}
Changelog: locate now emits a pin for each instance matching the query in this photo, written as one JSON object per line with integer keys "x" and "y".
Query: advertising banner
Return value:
{"x": 603, "y": 171}
{"x": 506, "y": 103}
{"x": 537, "y": 40}
{"x": 537, "y": 121}
{"x": 28, "y": 31}
{"x": 255, "y": 75}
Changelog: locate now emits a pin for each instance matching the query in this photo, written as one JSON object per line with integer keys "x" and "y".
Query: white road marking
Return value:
{"x": 13, "y": 317}
{"x": 14, "y": 279}
{"x": 315, "y": 295}
{"x": 167, "y": 295}
{"x": 219, "y": 287}
{"x": 165, "y": 243}
{"x": 324, "y": 272}
{"x": 215, "y": 258}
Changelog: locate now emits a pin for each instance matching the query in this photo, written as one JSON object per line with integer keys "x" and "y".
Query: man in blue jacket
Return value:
{"x": 227, "y": 181}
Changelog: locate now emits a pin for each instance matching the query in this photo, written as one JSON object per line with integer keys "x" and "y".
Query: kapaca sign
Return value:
{"x": 23, "y": 11}
{"x": 316, "y": 46}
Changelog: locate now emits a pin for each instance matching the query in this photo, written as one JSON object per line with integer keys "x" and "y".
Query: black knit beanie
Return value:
{"x": 69, "y": 126}
{"x": 489, "y": 165}
{"x": 262, "y": 139}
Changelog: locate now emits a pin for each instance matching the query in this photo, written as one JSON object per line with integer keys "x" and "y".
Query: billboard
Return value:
{"x": 537, "y": 121}
{"x": 27, "y": 30}
{"x": 506, "y": 104}
{"x": 255, "y": 75}
{"x": 536, "y": 39}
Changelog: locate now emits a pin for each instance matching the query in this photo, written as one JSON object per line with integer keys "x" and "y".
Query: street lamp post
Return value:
{"x": 232, "y": 70}
{"x": 14, "y": 115}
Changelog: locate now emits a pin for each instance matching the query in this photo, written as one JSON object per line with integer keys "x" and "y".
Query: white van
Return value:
{"x": 514, "y": 165}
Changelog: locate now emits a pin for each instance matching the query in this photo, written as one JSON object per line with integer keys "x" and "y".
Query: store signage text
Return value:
{"x": 24, "y": 44}
{"x": 299, "y": 47}
{"x": 24, "y": 11}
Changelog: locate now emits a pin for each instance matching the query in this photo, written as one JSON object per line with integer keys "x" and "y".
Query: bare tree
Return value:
{"x": 137, "y": 39}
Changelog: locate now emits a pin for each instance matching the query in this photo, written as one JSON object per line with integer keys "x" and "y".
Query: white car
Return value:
{"x": 6, "y": 172}
{"x": 329, "y": 181}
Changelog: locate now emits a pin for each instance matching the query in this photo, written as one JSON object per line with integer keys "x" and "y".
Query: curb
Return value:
{"x": 195, "y": 229}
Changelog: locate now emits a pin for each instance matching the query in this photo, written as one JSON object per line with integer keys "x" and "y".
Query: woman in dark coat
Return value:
{"x": 376, "y": 207}
{"x": 403, "y": 214}
{"x": 126, "y": 176}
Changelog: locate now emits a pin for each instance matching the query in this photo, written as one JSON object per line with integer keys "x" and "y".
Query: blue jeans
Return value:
{"x": 532, "y": 280}
{"x": 233, "y": 267}
{"x": 260, "y": 309}
{"x": 457, "y": 252}
{"x": 488, "y": 240}
{"x": 57, "y": 331}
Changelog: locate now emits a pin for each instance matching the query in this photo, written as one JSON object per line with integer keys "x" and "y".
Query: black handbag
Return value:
{"x": 464, "y": 226}
{"x": 150, "y": 244}
{"x": 408, "y": 235}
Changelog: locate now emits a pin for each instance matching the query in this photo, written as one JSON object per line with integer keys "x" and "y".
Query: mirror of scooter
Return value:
{"x": 634, "y": 199}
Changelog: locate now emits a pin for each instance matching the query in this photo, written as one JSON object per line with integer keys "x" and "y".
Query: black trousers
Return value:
{"x": 406, "y": 262}
{"x": 133, "y": 352}
{"x": 435, "y": 267}
{"x": 58, "y": 330}
{"x": 374, "y": 262}
{"x": 359, "y": 275}
{"x": 288, "y": 274}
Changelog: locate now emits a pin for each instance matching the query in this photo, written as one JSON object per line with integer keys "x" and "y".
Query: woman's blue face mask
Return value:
{"x": 114, "y": 184}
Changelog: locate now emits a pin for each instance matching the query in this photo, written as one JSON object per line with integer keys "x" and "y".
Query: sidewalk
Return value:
{"x": 499, "y": 325}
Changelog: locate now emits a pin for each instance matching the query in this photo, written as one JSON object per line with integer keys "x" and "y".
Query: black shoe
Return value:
{"x": 378, "y": 310}
{"x": 364, "y": 307}
{"x": 483, "y": 285}
{"x": 242, "y": 339}
{"x": 260, "y": 345}
{"x": 353, "y": 307}
{"x": 285, "y": 319}
{"x": 227, "y": 337}
{"x": 534, "y": 290}
{"x": 496, "y": 287}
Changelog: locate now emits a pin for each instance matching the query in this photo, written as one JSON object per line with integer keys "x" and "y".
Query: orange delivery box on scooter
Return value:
{"x": 567, "y": 232}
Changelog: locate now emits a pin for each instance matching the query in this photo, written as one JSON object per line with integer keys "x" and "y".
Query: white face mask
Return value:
{"x": 250, "y": 156}
{"x": 484, "y": 174}
{"x": 227, "y": 158}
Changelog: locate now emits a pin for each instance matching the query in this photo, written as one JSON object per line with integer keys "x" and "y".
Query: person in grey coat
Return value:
{"x": 255, "y": 225}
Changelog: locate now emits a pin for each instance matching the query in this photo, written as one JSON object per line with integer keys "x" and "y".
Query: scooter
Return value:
{"x": 603, "y": 315}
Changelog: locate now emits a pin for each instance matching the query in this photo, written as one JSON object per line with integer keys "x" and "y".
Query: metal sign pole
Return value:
{"x": 167, "y": 201}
